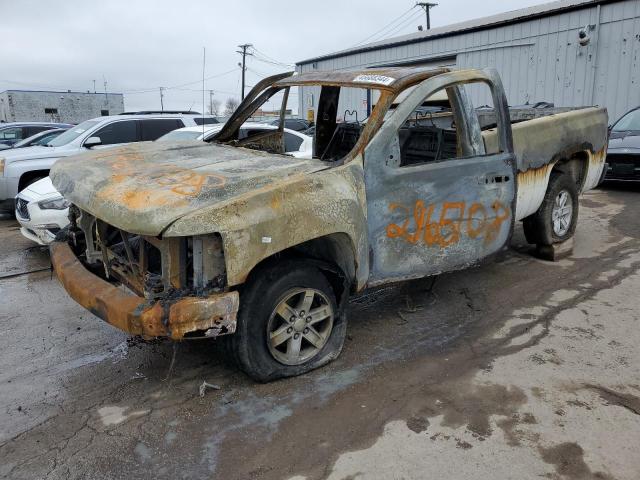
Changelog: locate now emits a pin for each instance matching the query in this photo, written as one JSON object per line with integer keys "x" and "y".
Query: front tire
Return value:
{"x": 556, "y": 219}
{"x": 289, "y": 322}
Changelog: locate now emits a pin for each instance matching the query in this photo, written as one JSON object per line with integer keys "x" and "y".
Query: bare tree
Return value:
{"x": 231, "y": 105}
{"x": 214, "y": 107}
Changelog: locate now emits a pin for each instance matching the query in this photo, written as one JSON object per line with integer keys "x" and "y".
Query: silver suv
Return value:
{"x": 22, "y": 167}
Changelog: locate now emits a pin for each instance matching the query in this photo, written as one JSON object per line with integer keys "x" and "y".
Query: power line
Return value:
{"x": 205, "y": 78}
{"x": 200, "y": 90}
{"x": 258, "y": 73}
{"x": 278, "y": 64}
{"x": 401, "y": 26}
{"x": 177, "y": 87}
{"x": 270, "y": 59}
{"x": 390, "y": 24}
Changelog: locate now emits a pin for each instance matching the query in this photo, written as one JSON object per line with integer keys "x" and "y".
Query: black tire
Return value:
{"x": 249, "y": 347}
{"x": 538, "y": 228}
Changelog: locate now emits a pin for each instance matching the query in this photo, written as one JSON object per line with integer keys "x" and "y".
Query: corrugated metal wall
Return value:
{"x": 539, "y": 59}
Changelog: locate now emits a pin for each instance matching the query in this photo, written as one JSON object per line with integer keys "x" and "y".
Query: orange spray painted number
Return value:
{"x": 422, "y": 224}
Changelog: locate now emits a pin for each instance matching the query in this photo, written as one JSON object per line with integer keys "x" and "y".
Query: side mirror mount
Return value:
{"x": 92, "y": 142}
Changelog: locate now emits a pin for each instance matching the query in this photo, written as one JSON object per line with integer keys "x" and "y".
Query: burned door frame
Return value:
{"x": 440, "y": 216}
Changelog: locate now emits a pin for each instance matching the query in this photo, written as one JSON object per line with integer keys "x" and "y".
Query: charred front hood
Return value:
{"x": 143, "y": 188}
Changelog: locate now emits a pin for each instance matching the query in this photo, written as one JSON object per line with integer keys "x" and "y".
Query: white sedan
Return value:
{"x": 296, "y": 143}
{"x": 42, "y": 212}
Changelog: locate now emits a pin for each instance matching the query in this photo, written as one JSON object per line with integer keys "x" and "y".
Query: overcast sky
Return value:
{"x": 141, "y": 45}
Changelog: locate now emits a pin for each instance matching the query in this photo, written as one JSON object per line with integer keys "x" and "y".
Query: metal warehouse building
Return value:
{"x": 538, "y": 52}
{"x": 67, "y": 107}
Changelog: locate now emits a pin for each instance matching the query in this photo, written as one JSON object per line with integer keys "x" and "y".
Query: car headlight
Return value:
{"x": 59, "y": 203}
{"x": 1, "y": 166}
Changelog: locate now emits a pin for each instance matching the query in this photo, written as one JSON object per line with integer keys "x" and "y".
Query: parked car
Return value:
{"x": 295, "y": 143}
{"x": 13, "y": 132}
{"x": 623, "y": 154}
{"x": 218, "y": 239}
{"x": 190, "y": 133}
{"x": 41, "y": 138}
{"x": 41, "y": 211}
{"x": 297, "y": 124}
{"x": 21, "y": 167}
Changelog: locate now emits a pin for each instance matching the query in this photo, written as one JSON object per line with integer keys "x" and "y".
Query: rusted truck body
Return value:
{"x": 235, "y": 239}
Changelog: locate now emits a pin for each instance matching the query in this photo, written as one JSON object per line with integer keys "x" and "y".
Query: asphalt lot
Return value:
{"x": 516, "y": 369}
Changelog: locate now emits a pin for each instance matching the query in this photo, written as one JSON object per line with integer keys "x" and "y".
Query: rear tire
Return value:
{"x": 274, "y": 337}
{"x": 556, "y": 219}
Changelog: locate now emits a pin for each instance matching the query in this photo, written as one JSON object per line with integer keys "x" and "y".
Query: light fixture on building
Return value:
{"x": 583, "y": 35}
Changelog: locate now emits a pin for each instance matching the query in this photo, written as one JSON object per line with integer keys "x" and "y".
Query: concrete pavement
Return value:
{"x": 515, "y": 369}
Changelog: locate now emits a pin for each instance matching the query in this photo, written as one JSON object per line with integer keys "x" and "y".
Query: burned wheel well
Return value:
{"x": 27, "y": 178}
{"x": 333, "y": 254}
{"x": 576, "y": 165}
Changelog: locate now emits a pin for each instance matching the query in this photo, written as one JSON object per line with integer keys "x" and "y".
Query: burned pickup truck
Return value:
{"x": 235, "y": 239}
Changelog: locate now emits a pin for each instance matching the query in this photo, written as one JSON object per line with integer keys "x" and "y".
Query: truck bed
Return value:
{"x": 541, "y": 142}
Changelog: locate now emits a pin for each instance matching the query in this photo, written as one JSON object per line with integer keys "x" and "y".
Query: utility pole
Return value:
{"x": 106, "y": 97}
{"x": 427, "y": 9}
{"x": 94, "y": 86}
{"x": 161, "y": 99}
{"x": 210, "y": 102}
{"x": 244, "y": 54}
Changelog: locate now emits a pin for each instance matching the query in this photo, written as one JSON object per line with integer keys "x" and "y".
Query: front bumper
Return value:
{"x": 623, "y": 166}
{"x": 174, "y": 317}
{"x": 40, "y": 226}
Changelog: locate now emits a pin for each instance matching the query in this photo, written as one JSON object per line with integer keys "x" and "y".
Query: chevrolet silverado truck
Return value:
{"x": 233, "y": 238}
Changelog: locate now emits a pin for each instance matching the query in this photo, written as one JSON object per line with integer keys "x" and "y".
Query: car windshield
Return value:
{"x": 73, "y": 133}
{"x": 630, "y": 122}
{"x": 45, "y": 139}
{"x": 32, "y": 140}
{"x": 338, "y": 127}
{"x": 180, "y": 135}
{"x": 42, "y": 138}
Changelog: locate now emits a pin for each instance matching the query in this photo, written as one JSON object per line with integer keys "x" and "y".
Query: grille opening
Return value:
{"x": 21, "y": 209}
{"x": 154, "y": 259}
{"x": 152, "y": 266}
{"x": 623, "y": 167}
{"x": 189, "y": 263}
{"x": 134, "y": 246}
{"x": 153, "y": 285}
